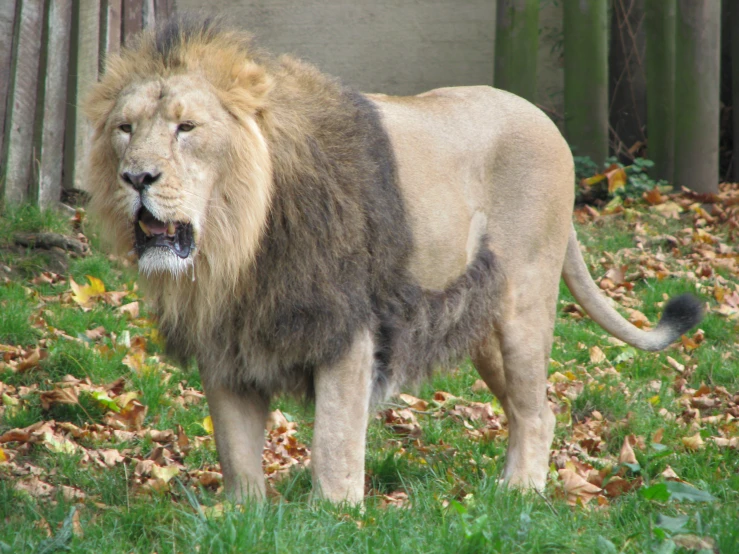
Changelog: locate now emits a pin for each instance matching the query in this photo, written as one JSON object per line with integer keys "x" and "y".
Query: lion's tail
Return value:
{"x": 424, "y": 329}
{"x": 680, "y": 315}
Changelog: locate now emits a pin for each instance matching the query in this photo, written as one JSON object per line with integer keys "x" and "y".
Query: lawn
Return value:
{"x": 105, "y": 446}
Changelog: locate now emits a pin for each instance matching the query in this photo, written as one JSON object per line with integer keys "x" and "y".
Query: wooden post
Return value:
{"x": 627, "y": 83}
{"x": 163, "y": 9}
{"x": 133, "y": 19}
{"x": 110, "y": 30}
{"x": 50, "y": 146}
{"x": 660, "y": 33}
{"x": 697, "y": 76}
{"x": 21, "y": 110}
{"x": 150, "y": 18}
{"x": 83, "y": 72}
{"x": 734, "y": 36}
{"x": 586, "y": 78}
{"x": 7, "y": 27}
{"x": 516, "y": 46}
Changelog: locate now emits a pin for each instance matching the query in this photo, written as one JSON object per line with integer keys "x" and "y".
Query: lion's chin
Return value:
{"x": 160, "y": 260}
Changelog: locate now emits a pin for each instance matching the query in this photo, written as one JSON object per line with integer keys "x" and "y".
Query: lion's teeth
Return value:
{"x": 171, "y": 228}
{"x": 144, "y": 228}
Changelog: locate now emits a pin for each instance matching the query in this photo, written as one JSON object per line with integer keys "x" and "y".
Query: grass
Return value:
{"x": 449, "y": 474}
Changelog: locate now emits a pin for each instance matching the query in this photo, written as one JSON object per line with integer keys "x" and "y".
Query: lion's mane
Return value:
{"x": 307, "y": 240}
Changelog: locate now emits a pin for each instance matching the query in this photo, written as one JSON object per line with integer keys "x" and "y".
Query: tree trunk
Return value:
{"x": 586, "y": 78}
{"x": 660, "y": 32}
{"x": 628, "y": 88}
{"x": 734, "y": 26}
{"x": 516, "y": 46}
{"x": 697, "y": 79}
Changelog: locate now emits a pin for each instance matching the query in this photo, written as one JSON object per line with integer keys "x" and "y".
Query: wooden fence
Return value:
{"x": 50, "y": 53}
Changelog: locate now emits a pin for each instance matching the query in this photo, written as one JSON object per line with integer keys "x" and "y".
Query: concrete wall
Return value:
{"x": 390, "y": 46}
{"x": 395, "y": 46}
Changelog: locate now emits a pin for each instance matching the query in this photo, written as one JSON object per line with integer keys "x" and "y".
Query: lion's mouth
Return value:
{"x": 152, "y": 233}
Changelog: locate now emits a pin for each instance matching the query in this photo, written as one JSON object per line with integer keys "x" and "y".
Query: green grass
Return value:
{"x": 455, "y": 503}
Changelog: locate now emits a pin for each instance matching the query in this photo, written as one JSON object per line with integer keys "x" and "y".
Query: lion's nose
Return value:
{"x": 140, "y": 181}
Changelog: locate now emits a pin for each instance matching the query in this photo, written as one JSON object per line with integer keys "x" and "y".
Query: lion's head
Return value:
{"x": 180, "y": 169}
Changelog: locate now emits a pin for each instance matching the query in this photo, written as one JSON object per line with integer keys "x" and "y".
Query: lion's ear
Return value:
{"x": 250, "y": 87}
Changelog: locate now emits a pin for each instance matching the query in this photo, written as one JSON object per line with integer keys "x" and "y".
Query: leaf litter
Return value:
{"x": 586, "y": 469}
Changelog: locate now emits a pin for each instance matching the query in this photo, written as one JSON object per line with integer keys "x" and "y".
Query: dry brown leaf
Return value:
{"x": 658, "y": 434}
{"x": 670, "y": 475}
{"x": 131, "y": 310}
{"x": 442, "y": 396}
{"x": 72, "y": 494}
{"x": 627, "y": 456}
{"x": 160, "y": 436}
{"x": 96, "y": 333}
{"x": 110, "y": 456}
{"x": 597, "y": 355}
{"x": 35, "y": 487}
{"x": 67, "y": 395}
{"x": 275, "y": 420}
{"x": 654, "y": 197}
{"x": 695, "y": 543}
{"x": 677, "y": 366}
{"x": 577, "y": 488}
{"x": 31, "y": 360}
{"x": 617, "y": 486}
{"x": 693, "y": 443}
{"x": 413, "y": 402}
{"x": 723, "y": 442}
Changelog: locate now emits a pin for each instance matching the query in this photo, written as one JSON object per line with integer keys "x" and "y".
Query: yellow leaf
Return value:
{"x": 124, "y": 399}
{"x": 590, "y": 181}
{"x": 3, "y": 456}
{"x": 208, "y": 425}
{"x": 85, "y": 294}
{"x": 616, "y": 179}
{"x": 164, "y": 474}
{"x": 654, "y": 400}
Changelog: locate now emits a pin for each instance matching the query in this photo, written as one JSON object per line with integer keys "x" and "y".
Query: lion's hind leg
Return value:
{"x": 513, "y": 362}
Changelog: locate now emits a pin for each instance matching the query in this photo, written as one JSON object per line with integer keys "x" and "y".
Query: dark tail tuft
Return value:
{"x": 681, "y": 314}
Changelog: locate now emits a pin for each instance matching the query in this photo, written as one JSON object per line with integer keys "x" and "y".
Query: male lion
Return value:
{"x": 297, "y": 236}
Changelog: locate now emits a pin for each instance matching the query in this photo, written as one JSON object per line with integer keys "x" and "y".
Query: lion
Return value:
{"x": 296, "y": 236}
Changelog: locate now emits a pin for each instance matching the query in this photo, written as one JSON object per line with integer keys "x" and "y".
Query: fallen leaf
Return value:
{"x": 208, "y": 425}
{"x": 597, "y": 355}
{"x": 415, "y": 403}
{"x": 627, "y": 456}
{"x": 693, "y": 443}
{"x": 67, "y": 395}
{"x": 577, "y": 488}
{"x": 85, "y": 295}
{"x": 131, "y": 310}
{"x": 164, "y": 474}
{"x": 695, "y": 543}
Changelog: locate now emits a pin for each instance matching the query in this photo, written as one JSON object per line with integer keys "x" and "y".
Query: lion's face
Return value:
{"x": 170, "y": 137}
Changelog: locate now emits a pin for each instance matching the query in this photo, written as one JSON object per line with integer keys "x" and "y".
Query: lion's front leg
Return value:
{"x": 239, "y": 420}
{"x": 343, "y": 393}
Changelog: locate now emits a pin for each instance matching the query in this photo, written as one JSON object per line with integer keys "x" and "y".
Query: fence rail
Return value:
{"x": 51, "y": 51}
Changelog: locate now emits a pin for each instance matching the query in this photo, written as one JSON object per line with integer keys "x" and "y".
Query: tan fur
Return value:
{"x": 470, "y": 163}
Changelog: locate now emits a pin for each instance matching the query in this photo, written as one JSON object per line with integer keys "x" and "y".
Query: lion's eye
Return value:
{"x": 125, "y": 128}
{"x": 185, "y": 127}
